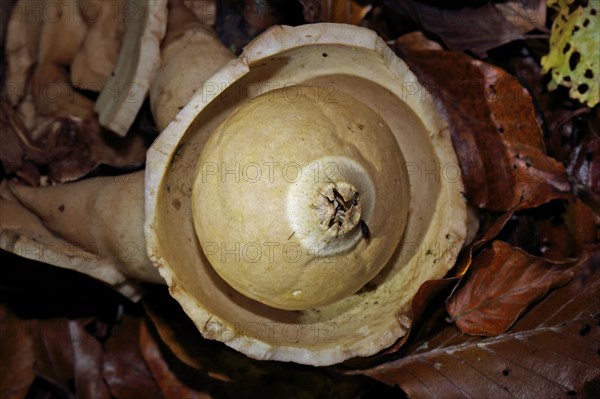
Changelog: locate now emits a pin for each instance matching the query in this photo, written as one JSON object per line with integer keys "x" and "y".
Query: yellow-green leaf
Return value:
{"x": 574, "y": 58}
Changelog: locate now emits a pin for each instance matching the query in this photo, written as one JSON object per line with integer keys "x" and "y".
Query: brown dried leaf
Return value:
{"x": 478, "y": 29}
{"x": 259, "y": 15}
{"x": 170, "y": 385}
{"x": 491, "y": 227}
{"x": 11, "y": 153}
{"x": 491, "y": 117}
{"x": 65, "y": 351}
{"x": 551, "y": 352}
{"x": 67, "y": 147}
{"x": 226, "y": 372}
{"x": 432, "y": 292}
{"x": 89, "y": 382}
{"x": 583, "y": 225}
{"x": 340, "y": 11}
{"x": 53, "y": 353}
{"x": 525, "y": 15}
{"x": 415, "y": 41}
{"x": 584, "y": 165}
{"x": 555, "y": 231}
{"x": 182, "y": 337}
{"x": 124, "y": 369}
{"x": 502, "y": 283}
{"x": 59, "y": 350}
{"x": 16, "y": 352}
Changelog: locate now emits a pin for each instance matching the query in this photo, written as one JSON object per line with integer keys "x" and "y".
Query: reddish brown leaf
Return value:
{"x": 58, "y": 350}
{"x": 494, "y": 130}
{"x": 555, "y": 231}
{"x": 124, "y": 369}
{"x": 503, "y": 282}
{"x": 17, "y": 357}
{"x": 89, "y": 382}
{"x": 54, "y": 358}
{"x": 491, "y": 228}
{"x": 182, "y": 337}
{"x": 551, "y": 352}
{"x": 432, "y": 291}
{"x": 415, "y": 41}
{"x": 170, "y": 385}
{"x": 583, "y": 224}
{"x": 65, "y": 351}
{"x": 340, "y": 11}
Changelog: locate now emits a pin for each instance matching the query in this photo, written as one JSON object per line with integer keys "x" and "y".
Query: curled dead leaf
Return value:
{"x": 435, "y": 291}
{"x": 64, "y": 148}
{"x": 226, "y": 372}
{"x": 170, "y": 384}
{"x": 551, "y": 352}
{"x": 524, "y": 15}
{"x": 477, "y": 27}
{"x": 503, "y": 282}
{"x": 17, "y": 354}
{"x": 584, "y": 167}
{"x": 491, "y": 117}
{"x": 555, "y": 231}
{"x": 58, "y": 350}
{"x": 124, "y": 368}
{"x": 340, "y": 11}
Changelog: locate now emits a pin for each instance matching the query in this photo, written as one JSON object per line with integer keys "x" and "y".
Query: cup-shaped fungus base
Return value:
{"x": 356, "y": 63}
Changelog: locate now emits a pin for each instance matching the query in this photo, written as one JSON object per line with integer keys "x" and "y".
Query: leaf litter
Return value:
{"x": 518, "y": 315}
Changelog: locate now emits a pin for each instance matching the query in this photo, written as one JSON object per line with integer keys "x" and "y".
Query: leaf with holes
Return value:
{"x": 553, "y": 351}
{"x": 574, "y": 57}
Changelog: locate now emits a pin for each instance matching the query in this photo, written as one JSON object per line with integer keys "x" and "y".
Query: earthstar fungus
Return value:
{"x": 211, "y": 225}
{"x": 294, "y": 205}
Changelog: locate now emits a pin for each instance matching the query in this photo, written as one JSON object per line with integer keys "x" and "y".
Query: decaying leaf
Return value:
{"x": 124, "y": 369}
{"x": 229, "y": 373}
{"x": 340, "y": 11}
{"x": 435, "y": 291}
{"x": 551, "y": 352}
{"x": 63, "y": 149}
{"x": 170, "y": 384}
{"x": 555, "y": 231}
{"x": 491, "y": 117}
{"x": 58, "y": 350}
{"x": 525, "y": 15}
{"x": 574, "y": 57}
{"x": 584, "y": 166}
{"x": 259, "y": 15}
{"x": 175, "y": 330}
{"x": 415, "y": 41}
{"x": 503, "y": 282}
{"x": 478, "y": 29}
{"x": 17, "y": 354}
